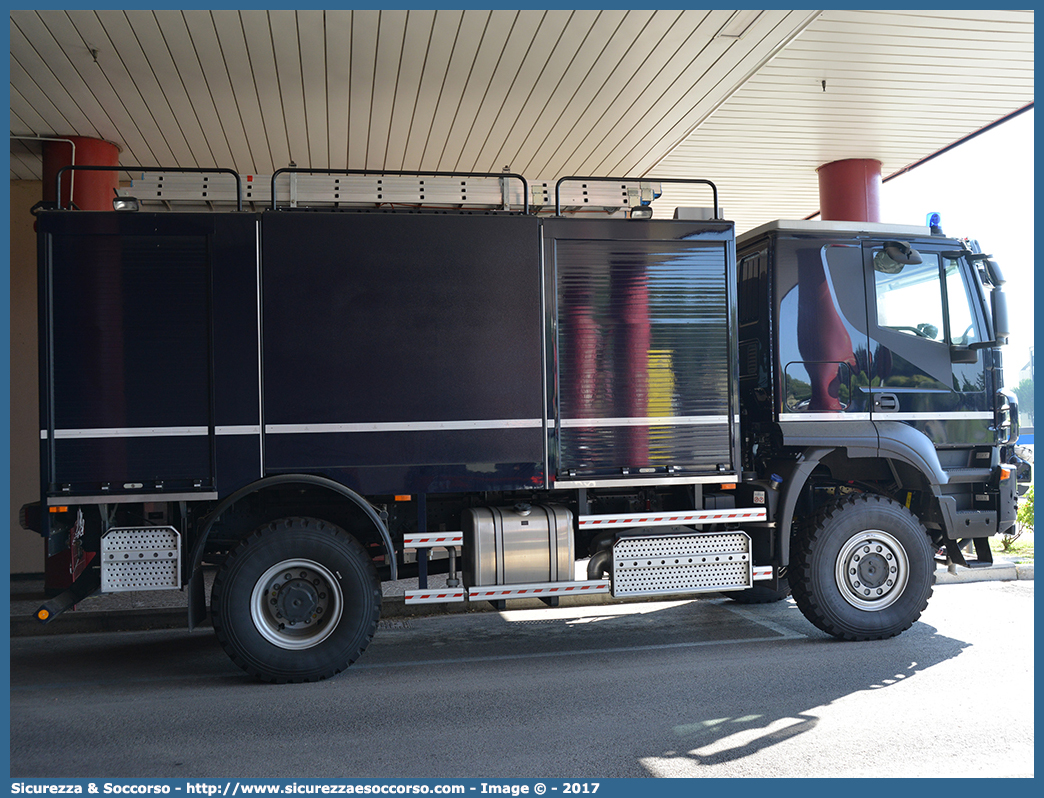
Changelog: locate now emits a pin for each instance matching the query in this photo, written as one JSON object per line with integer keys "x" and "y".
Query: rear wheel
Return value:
{"x": 297, "y": 601}
{"x": 862, "y": 569}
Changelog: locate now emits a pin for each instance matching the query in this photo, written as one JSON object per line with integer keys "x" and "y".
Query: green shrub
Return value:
{"x": 1023, "y": 521}
{"x": 1025, "y": 514}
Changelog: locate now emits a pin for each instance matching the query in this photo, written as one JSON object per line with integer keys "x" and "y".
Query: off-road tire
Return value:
{"x": 862, "y": 568}
{"x": 302, "y": 570}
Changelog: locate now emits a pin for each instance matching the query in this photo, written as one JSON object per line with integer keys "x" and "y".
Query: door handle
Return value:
{"x": 886, "y": 402}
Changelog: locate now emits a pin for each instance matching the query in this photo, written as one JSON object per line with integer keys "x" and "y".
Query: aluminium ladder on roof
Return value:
{"x": 189, "y": 190}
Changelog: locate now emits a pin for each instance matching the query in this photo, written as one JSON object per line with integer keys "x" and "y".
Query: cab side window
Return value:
{"x": 909, "y": 296}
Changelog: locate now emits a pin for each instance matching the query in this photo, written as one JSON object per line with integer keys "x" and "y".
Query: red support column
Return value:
{"x": 92, "y": 191}
{"x": 850, "y": 190}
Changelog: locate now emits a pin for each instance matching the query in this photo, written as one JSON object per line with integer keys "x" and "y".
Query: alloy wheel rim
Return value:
{"x": 872, "y": 570}
{"x": 296, "y": 604}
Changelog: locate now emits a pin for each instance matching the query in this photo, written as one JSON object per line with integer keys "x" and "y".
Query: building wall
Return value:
{"x": 27, "y": 549}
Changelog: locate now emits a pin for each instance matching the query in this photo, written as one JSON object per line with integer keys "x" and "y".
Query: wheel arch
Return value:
{"x": 895, "y": 446}
{"x": 197, "y": 595}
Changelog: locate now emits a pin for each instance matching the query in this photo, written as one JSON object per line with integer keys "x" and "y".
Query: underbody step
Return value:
{"x": 448, "y": 595}
{"x": 140, "y": 558}
{"x": 444, "y": 595}
{"x": 542, "y": 590}
{"x": 422, "y": 543}
{"x": 964, "y": 475}
{"x": 698, "y": 563}
{"x": 495, "y": 593}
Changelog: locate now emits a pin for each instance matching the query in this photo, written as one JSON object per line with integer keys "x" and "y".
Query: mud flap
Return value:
{"x": 197, "y": 600}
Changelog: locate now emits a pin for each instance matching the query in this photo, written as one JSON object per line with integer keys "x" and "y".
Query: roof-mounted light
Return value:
{"x": 126, "y": 204}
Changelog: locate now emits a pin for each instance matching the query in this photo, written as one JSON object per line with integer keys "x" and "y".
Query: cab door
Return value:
{"x": 924, "y": 321}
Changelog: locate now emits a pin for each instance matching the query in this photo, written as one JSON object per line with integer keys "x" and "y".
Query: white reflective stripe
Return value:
{"x": 149, "y": 432}
{"x": 126, "y": 432}
{"x": 445, "y": 595}
{"x": 956, "y": 416}
{"x": 649, "y": 480}
{"x": 538, "y": 590}
{"x": 427, "y": 540}
{"x": 670, "y": 519}
{"x": 978, "y": 415}
{"x": 239, "y": 429}
{"x": 762, "y": 572}
{"x": 654, "y": 421}
{"x": 377, "y": 426}
{"x": 405, "y": 426}
{"x": 837, "y": 416}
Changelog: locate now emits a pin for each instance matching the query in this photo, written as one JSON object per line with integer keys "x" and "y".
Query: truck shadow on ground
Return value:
{"x": 686, "y": 685}
{"x": 700, "y": 683}
{"x": 134, "y": 657}
{"x": 732, "y": 725}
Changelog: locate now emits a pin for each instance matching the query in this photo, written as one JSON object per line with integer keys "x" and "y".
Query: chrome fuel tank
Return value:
{"x": 504, "y": 546}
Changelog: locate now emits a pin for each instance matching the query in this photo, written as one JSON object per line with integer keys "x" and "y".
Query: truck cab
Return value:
{"x": 870, "y": 364}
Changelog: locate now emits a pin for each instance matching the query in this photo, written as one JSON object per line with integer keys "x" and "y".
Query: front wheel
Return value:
{"x": 297, "y": 601}
{"x": 862, "y": 568}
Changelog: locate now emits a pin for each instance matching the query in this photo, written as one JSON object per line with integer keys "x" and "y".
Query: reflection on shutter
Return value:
{"x": 642, "y": 356}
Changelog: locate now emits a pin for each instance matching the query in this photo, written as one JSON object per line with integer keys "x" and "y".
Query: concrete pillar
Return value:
{"x": 92, "y": 191}
{"x": 850, "y": 190}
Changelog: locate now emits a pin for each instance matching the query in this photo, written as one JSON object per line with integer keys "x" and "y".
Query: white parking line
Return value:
{"x": 557, "y": 654}
{"x": 754, "y": 617}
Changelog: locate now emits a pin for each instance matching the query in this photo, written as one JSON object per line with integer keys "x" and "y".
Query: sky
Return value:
{"x": 983, "y": 189}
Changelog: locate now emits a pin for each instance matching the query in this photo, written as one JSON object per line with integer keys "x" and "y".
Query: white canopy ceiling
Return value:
{"x": 753, "y": 100}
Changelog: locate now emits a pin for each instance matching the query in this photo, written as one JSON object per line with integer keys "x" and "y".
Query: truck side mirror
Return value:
{"x": 994, "y": 271}
{"x": 901, "y": 252}
{"x": 999, "y": 306}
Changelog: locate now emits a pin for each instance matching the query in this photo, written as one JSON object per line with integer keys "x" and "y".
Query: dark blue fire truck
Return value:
{"x": 315, "y": 399}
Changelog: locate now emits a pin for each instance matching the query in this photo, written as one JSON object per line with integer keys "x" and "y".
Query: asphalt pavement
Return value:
{"x": 690, "y": 688}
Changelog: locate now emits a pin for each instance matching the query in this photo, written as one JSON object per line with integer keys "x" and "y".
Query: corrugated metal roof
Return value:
{"x": 733, "y": 96}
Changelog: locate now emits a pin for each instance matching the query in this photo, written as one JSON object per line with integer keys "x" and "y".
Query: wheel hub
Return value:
{"x": 872, "y": 570}
{"x": 296, "y": 604}
{"x": 297, "y": 600}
